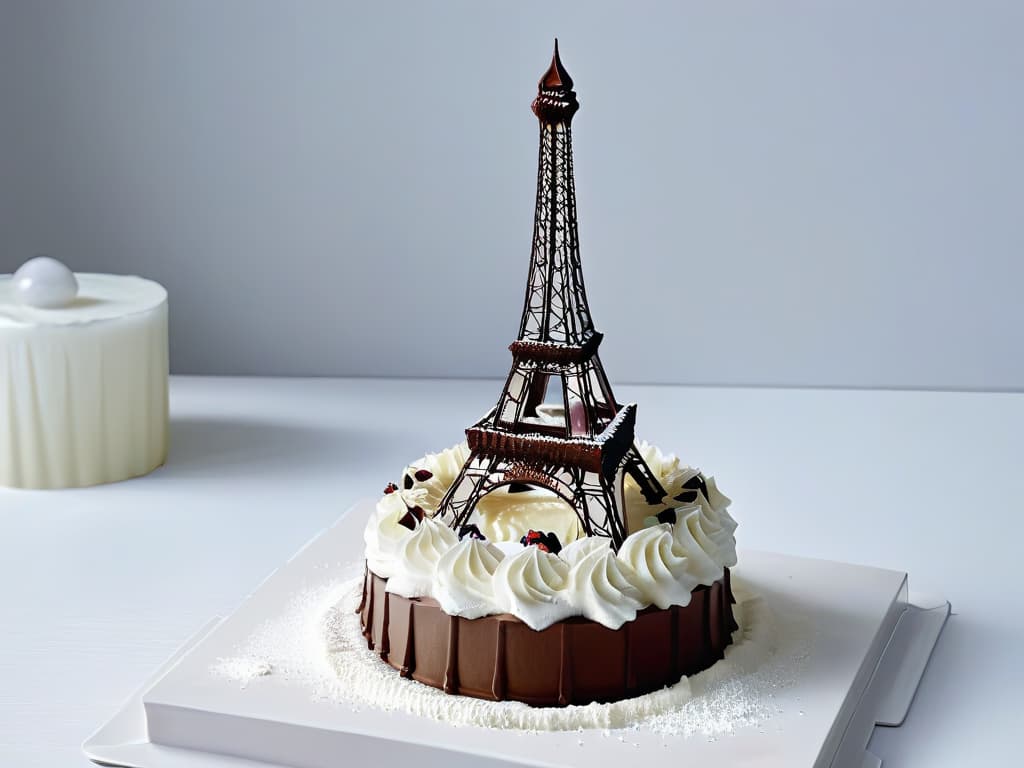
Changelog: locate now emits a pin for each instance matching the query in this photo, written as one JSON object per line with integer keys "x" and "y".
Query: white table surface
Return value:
{"x": 100, "y": 585}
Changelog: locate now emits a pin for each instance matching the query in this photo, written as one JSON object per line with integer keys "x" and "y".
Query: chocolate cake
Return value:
{"x": 551, "y": 559}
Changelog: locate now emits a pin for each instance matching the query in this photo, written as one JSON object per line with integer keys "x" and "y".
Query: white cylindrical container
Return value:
{"x": 83, "y": 387}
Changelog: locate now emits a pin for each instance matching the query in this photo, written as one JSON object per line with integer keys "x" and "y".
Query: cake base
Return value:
{"x": 575, "y": 661}
{"x": 871, "y": 644}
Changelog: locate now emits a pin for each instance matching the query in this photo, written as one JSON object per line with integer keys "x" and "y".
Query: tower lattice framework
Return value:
{"x": 582, "y": 445}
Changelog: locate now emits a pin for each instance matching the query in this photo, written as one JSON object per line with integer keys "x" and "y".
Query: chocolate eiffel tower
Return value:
{"x": 581, "y": 446}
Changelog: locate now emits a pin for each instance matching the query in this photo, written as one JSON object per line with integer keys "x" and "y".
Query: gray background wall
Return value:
{"x": 770, "y": 193}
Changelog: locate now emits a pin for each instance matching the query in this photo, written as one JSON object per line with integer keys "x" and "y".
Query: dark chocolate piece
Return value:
{"x": 667, "y": 516}
{"x": 697, "y": 483}
{"x": 412, "y": 517}
{"x": 472, "y": 531}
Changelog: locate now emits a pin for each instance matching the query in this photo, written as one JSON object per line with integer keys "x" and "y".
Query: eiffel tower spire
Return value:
{"x": 581, "y": 446}
{"x": 555, "y": 310}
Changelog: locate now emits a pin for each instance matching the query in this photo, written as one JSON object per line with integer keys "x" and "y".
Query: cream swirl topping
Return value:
{"x": 384, "y": 535}
{"x": 718, "y": 523}
{"x": 662, "y": 570}
{"x": 659, "y": 565}
{"x": 692, "y": 542}
{"x": 600, "y": 586}
{"x": 531, "y": 586}
{"x": 418, "y": 555}
{"x": 464, "y": 581}
{"x": 442, "y": 467}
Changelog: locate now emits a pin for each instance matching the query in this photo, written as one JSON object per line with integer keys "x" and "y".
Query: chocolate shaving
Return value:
{"x": 697, "y": 483}
{"x": 472, "y": 531}
{"x": 667, "y": 516}
{"x": 412, "y": 517}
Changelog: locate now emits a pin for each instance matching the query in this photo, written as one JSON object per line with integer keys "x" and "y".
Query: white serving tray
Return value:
{"x": 869, "y": 648}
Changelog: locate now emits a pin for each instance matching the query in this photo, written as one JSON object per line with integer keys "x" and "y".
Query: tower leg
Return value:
{"x": 473, "y": 482}
{"x": 637, "y": 468}
{"x": 600, "y": 507}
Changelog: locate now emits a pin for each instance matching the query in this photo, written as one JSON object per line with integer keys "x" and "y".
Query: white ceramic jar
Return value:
{"x": 83, "y": 377}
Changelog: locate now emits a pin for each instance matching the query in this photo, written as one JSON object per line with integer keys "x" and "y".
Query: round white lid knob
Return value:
{"x": 45, "y": 283}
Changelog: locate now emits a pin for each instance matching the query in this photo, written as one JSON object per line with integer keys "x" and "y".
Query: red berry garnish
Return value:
{"x": 552, "y": 543}
{"x": 545, "y": 542}
{"x": 532, "y": 537}
{"x": 391, "y": 488}
{"x": 423, "y": 475}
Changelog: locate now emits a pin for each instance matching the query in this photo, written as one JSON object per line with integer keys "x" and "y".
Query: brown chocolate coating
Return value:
{"x": 576, "y": 661}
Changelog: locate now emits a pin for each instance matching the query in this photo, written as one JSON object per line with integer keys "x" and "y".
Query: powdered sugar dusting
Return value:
{"x": 318, "y": 644}
{"x": 741, "y": 690}
{"x": 241, "y": 669}
{"x": 292, "y": 645}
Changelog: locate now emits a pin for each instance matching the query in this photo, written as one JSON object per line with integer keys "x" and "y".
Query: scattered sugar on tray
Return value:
{"x": 726, "y": 699}
{"x": 318, "y": 643}
{"x": 242, "y": 670}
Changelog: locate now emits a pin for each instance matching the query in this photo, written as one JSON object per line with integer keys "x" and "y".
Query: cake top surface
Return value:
{"x": 100, "y": 297}
{"x": 504, "y": 563}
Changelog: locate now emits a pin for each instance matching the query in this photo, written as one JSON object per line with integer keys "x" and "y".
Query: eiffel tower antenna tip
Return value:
{"x": 556, "y": 76}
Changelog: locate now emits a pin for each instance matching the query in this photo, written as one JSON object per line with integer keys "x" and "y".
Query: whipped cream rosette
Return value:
{"x": 691, "y": 541}
{"x": 417, "y": 558}
{"x": 718, "y": 523}
{"x": 384, "y": 535}
{"x": 465, "y": 579}
{"x": 531, "y": 586}
{"x": 600, "y": 586}
{"x": 663, "y": 572}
